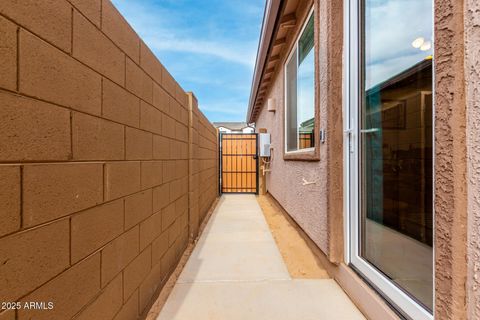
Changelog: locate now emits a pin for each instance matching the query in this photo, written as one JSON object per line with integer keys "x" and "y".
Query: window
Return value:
{"x": 390, "y": 167}
{"x": 300, "y": 92}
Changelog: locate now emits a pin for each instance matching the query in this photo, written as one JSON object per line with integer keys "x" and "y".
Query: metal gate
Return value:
{"x": 238, "y": 163}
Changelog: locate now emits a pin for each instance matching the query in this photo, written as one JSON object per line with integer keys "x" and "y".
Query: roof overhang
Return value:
{"x": 270, "y": 17}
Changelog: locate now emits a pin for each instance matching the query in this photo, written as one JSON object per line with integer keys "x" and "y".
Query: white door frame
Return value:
{"x": 391, "y": 292}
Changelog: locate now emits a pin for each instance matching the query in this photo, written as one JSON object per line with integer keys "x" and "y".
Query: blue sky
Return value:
{"x": 209, "y": 47}
{"x": 393, "y": 26}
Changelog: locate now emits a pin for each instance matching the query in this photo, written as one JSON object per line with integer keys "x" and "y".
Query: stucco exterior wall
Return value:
{"x": 472, "y": 75}
{"x": 305, "y": 204}
{"x": 316, "y": 207}
{"x": 450, "y": 162}
{"x": 457, "y": 155}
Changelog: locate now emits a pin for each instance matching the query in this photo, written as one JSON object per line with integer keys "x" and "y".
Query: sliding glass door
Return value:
{"x": 390, "y": 155}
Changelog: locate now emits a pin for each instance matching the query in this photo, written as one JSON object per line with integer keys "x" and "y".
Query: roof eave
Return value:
{"x": 270, "y": 17}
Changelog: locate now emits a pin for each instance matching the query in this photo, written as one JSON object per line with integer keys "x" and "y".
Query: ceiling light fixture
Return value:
{"x": 426, "y": 46}
{"x": 417, "y": 43}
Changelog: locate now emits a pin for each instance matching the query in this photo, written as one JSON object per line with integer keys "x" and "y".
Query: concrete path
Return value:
{"x": 236, "y": 272}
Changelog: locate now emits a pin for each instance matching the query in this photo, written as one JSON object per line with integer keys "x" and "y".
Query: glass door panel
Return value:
{"x": 395, "y": 144}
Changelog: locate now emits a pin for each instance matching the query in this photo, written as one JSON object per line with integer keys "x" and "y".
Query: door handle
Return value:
{"x": 371, "y": 130}
{"x": 349, "y": 133}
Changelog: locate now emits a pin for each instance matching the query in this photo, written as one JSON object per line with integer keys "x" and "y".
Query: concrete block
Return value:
{"x": 181, "y": 168}
{"x": 129, "y": 310}
{"x": 168, "y": 216}
{"x": 118, "y": 29}
{"x": 168, "y": 127}
{"x": 168, "y": 83}
{"x": 8, "y": 54}
{"x": 175, "y": 190}
{"x": 159, "y": 247}
{"x": 121, "y": 179}
{"x": 175, "y": 108}
{"x": 31, "y": 258}
{"x": 104, "y": 56}
{"x": 49, "y": 74}
{"x": 107, "y": 304}
{"x": 139, "y": 144}
{"x": 89, "y": 8}
{"x": 135, "y": 272}
{"x": 150, "y": 118}
{"x": 181, "y": 132}
{"x": 117, "y": 254}
{"x": 168, "y": 170}
{"x": 160, "y": 98}
{"x": 161, "y": 197}
{"x": 51, "y": 191}
{"x": 119, "y": 104}
{"x": 50, "y": 19}
{"x": 161, "y": 147}
{"x": 138, "y": 82}
{"x": 138, "y": 207}
{"x": 150, "y": 229}
{"x": 168, "y": 262}
{"x": 95, "y": 227}
{"x": 69, "y": 292}
{"x": 33, "y": 130}
{"x": 150, "y": 63}
{"x": 182, "y": 97}
{"x": 181, "y": 204}
{"x": 152, "y": 172}
{"x": 149, "y": 286}
{"x": 8, "y": 315}
{"x": 173, "y": 232}
{"x": 96, "y": 139}
{"x": 10, "y": 199}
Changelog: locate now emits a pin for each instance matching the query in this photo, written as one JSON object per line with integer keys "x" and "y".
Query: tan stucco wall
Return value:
{"x": 457, "y": 156}
{"x": 450, "y": 162}
{"x": 472, "y": 74}
{"x": 457, "y": 174}
{"x": 317, "y": 211}
{"x": 306, "y": 204}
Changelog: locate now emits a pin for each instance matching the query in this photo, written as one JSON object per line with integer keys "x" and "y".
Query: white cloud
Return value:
{"x": 209, "y": 47}
{"x": 164, "y": 30}
{"x": 220, "y": 50}
{"x": 391, "y": 27}
{"x": 230, "y": 108}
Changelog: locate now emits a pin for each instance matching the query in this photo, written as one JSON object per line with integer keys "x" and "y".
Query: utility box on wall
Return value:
{"x": 264, "y": 144}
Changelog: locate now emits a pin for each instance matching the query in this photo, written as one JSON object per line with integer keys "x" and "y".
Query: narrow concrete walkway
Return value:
{"x": 236, "y": 272}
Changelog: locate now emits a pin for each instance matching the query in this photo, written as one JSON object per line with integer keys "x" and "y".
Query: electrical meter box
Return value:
{"x": 264, "y": 144}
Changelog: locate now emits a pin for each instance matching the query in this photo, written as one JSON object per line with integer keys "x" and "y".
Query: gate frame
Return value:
{"x": 220, "y": 162}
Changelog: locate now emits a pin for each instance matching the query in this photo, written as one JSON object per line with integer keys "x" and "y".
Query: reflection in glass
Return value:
{"x": 306, "y": 87}
{"x": 396, "y": 143}
{"x": 300, "y": 89}
{"x": 291, "y": 103}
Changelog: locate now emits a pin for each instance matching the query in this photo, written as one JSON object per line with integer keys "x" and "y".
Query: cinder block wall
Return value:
{"x": 203, "y": 166}
{"x": 95, "y": 142}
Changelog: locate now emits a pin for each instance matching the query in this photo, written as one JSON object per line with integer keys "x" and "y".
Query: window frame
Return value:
{"x": 312, "y": 153}
{"x": 400, "y": 301}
